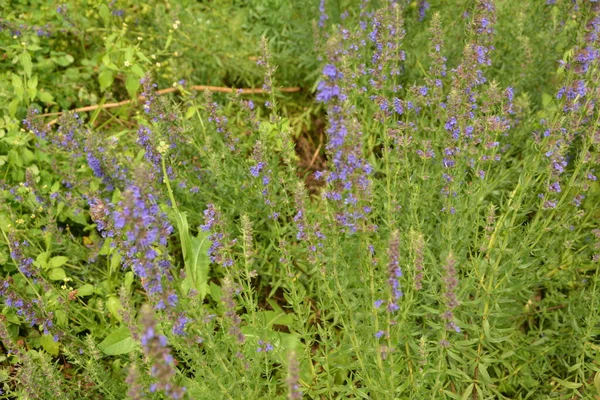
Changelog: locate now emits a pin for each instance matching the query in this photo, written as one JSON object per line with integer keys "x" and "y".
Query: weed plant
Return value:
{"x": 419, "y": 221}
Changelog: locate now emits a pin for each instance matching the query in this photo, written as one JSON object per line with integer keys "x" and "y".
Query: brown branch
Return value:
{"x": 169, "y": 90}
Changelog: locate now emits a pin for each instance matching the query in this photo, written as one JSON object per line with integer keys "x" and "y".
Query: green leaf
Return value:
{"x": 17, "y": 82}
{"x": 85, "y": 290}
{"x": 115, "y": 261}
{"x": 270, "y": 318}
{"x": 118, "y": 342}
{"x": 132, "y": 84}
{"x": 12, "y": 107}
{"x": 25, "y": 60}
{"x": 42, "y": 260}
{"x": 47, "y": 342}
{"x": 215, "y": 292}
{"x": 57, "y": 261}
{"x": 468, "y": 391}
{"x": 484, "y": 374}
{"x": 114, "y": 307}
{"x": 31, "y": 92}
{"x": 137, "y": 70}
{"x": 567, "y": 384}
{"x": 57, "y": 274}
{"x": 32, "y": 82}
{"x": 45, "y": 97}
{"x": 14, "y": 158}
{"x": 128, "y": 281}
{"x": 105, "y": 14}
{"x": 64, "y": 60}
{"x": 195, "y": 255}
{"x": 597, "y": 381}
{"x": 190, "y": 112}
{"x": 105, "y": 79}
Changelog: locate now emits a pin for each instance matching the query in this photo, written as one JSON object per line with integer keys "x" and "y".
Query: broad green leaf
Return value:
{"x": 279, "y": 340}
{"x": 85, "y": 290}
{"x": 33, "y": 82}
{"x": 118, "y": 342}
{"x": 137, "y": 70}
{"x": 128, "y": 281}
{"x": 25, "y": 60}
{"x": 31, "y": 92}
{"x": 57, "y": 274}
{"x": 114, "y": 307}
{"x": 195, "y": 255}
{"x": 215, "y": 292}
{"x": 47, "y": 342}
{"x": 64, "y": 60}
{"x": 597, "y": 381}
{"x": 132, "y": 84}
{"x": 115, "y": 261}
{"x": 190, "y": 112}
{"x": 42, "y": 260}
{"x": 57, "y": 261}
{"x": 105, "y": 79}
{"x": 45, "y": 97}
{"x": 12, "y": 107}
{"x": 17, "y": 82}
{"x": 105, "y": 14}
{"x": 270, "y": 318}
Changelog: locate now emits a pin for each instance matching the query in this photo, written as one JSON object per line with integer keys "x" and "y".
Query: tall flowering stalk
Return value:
{"x": 451, "y": 301}
{"x": 293, "y": 379}
{"x": 348, "y": 178}
{"x": 139, "y": 230}
{"x": 218, "y": 252}
{"x": 234, "y": 320}
{"x": 162, "y": 362}
{"x": 394, "y": 273}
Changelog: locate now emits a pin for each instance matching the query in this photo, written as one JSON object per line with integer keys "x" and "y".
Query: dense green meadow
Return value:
{"x": 286, "y": 199}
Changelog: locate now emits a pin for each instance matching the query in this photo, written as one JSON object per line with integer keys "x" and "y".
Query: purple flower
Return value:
{"x": 554, "y": 187}
{"x": 423, "y": 7}
{"x": 179, "y": 326}
{"x": 264, "y": 346}
{"x": 163, "y": 364}
{"x": 450, "y": 283}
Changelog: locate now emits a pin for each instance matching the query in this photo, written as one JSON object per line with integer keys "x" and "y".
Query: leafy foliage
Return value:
{"x": 418, "y": 219}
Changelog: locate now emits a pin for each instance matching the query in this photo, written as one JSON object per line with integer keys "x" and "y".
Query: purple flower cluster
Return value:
{"x": 394, "y": 273}
{"x": 217, "y": 252}
{"x": 349, "y": 176}
{"x": 264, "y": 346}
{"x": 293, "y": 379}
{"x": 25, "y": 264}
{"x": 311, "y": 236}
{"x": 328, "y": 88}
{"x": 163, "y": 364}
{"x": 146, "y": 139}
{"x": 30, "y": 311}
{"x": 450, "y": 283}
{"x": 423, "y": 7}
{"x": 323, "y": 14}
{"x": 138, "y": 228}
{"x": 261, "y": 171}
{"x": 229, "y": 290}
{"x": 179, "y": 325}
{"x": 153, "y": 105}
{"x": 220, "y": 121}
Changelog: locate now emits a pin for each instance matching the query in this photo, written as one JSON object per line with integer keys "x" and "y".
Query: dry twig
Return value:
{"x": 165, "y": 91}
